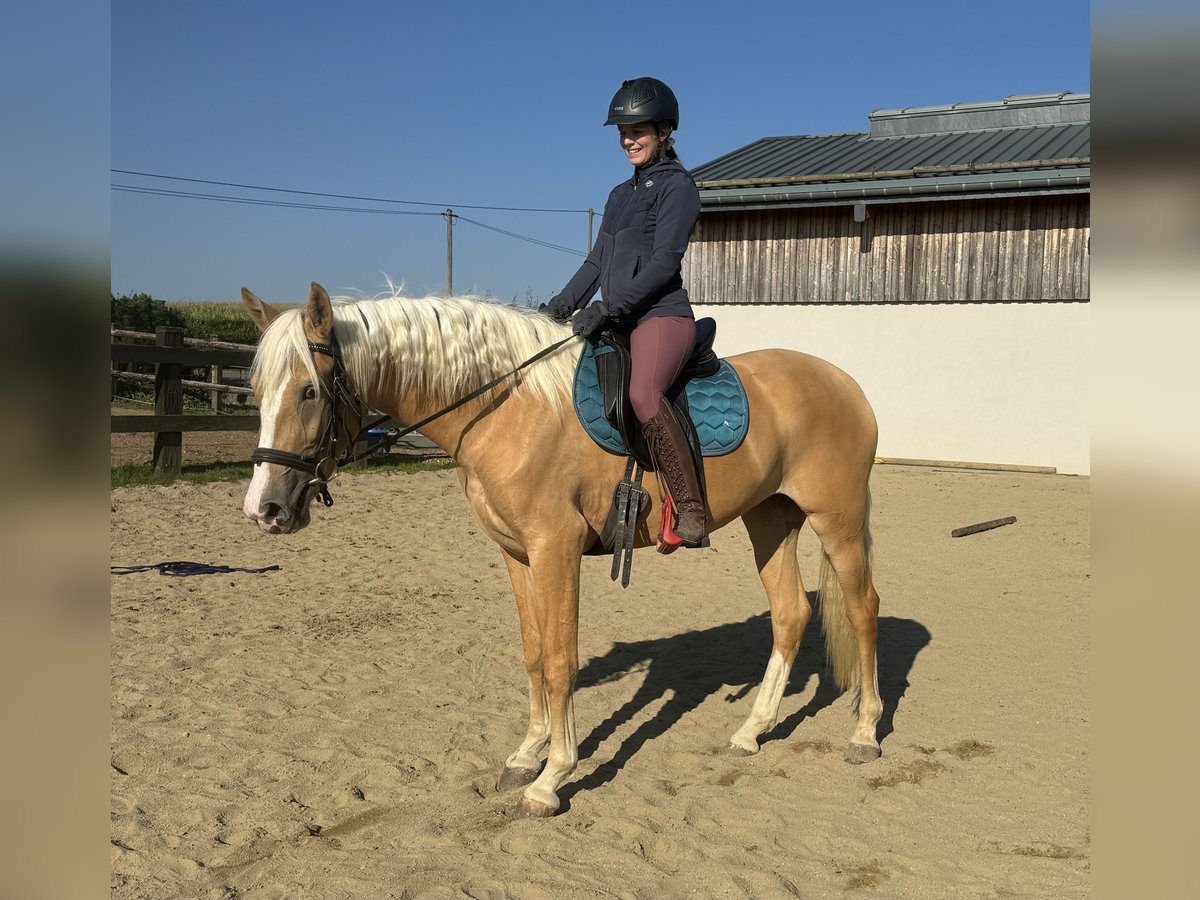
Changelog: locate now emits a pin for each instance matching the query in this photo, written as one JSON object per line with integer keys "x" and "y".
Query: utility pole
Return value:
{"x": 449, "y": 214}
{"x": 591, "y": 215}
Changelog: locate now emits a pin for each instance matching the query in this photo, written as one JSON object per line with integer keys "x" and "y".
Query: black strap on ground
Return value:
{"x": 181, "y": 569}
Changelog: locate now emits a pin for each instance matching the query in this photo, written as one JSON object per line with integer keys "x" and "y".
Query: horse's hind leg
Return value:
{"x": 850, "y": 614}
{"x": 773, "y": 526}
{"x": 523, "y": 766}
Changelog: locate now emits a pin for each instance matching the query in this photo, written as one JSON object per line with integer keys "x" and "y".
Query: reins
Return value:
{"x": 312, "y": 465}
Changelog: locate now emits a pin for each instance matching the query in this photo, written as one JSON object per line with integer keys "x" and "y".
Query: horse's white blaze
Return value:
{"x": 266, "y": 438}
{"x": 766, "y": 705}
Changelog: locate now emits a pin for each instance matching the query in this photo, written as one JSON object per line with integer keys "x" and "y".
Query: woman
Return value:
{"x": 635, "y": 264}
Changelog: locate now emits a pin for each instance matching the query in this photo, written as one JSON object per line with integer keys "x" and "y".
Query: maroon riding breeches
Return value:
{"x": 659, "y": 347}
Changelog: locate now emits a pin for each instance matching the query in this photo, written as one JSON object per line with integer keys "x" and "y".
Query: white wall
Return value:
{"x": 970, "y": 382}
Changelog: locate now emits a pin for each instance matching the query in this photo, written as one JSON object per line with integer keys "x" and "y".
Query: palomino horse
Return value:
{"x": 541, "y": 488}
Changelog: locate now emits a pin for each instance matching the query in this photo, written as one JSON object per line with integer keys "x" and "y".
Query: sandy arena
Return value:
{"x": 335, "y": 728}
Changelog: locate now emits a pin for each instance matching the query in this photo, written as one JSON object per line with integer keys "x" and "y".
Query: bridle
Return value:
{"x": 321, "y": 463}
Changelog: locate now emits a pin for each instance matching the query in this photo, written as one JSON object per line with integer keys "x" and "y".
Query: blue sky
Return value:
{"x": 490, "y": 104}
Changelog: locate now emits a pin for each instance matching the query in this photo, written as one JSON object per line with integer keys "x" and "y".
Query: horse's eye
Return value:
{"x": 310, "y": 393}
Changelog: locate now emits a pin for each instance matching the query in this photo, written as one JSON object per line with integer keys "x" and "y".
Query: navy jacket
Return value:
{"x": 635, "y": 262}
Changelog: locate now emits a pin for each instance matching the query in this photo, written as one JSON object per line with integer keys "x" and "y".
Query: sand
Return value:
{"x": 335, "y": 728}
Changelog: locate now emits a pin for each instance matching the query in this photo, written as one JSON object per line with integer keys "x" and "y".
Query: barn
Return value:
{"x": 941, "y": 258}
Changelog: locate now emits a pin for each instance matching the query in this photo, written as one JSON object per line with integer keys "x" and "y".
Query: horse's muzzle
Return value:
{"x": 279, "y": 504}
{"x": 275, "y": 518}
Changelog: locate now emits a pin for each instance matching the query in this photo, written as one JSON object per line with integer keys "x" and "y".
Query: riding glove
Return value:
{"x": 591, "y": 320}
{"x": 556, "y": 310}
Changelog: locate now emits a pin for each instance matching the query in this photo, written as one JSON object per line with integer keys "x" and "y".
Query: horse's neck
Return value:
{"x": 466, "y": 433}
{"x": 462, "y": 432}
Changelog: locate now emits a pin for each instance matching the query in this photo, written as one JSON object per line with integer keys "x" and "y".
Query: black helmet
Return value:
{"x": 643, "y": 100}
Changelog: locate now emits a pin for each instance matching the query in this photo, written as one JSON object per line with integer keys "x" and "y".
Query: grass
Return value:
{"x": 131, "y": 474}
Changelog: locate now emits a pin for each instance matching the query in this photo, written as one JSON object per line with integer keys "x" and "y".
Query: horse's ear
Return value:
{"x": 318, "y": 315}
{"x": 261, "y": 313}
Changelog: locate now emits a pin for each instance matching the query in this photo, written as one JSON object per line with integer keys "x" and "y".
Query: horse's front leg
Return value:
{"x": 551, "y": 610}
{"x": 525, "y": 764}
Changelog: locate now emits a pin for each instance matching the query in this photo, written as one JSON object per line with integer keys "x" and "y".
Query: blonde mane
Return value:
{"x": 440, "y": 347}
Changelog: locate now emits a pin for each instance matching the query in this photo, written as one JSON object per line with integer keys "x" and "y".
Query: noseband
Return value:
{"x": 321, "y": 463}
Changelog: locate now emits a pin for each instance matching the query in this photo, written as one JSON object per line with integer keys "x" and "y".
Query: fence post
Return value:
{"x": 214, "y": 377}
{"x": 168, "y": 401}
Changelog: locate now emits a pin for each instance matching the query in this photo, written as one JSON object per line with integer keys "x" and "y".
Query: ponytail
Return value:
{"x": 667, "y": 147}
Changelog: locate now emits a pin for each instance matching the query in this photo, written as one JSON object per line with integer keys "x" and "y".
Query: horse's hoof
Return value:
{"x": 533, "y": 809}
{"x": 732, "y": 749}
{"x": 862, "y": 753}
{"x": 516, "y": 778}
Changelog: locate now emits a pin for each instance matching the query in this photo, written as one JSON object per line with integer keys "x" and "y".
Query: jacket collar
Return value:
{"x": 640, "y": 174}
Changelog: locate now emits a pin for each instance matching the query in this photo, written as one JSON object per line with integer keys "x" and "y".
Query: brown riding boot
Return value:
{"x": 673, "y": 457}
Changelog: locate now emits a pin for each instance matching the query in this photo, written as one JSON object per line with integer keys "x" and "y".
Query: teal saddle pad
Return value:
{"x": 718, "y": 407}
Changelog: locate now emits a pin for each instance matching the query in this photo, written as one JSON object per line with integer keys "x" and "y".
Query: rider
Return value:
{"x": 635, "y": 264}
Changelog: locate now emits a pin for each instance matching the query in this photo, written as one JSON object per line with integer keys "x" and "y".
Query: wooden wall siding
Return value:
{"x": 1020, "y": 248}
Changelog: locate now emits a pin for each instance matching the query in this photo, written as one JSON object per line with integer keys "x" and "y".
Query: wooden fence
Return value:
{"x": 172, "y": 353}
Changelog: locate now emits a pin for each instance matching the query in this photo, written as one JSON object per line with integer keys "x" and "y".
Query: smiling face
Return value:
{"x": 640, "y": 141}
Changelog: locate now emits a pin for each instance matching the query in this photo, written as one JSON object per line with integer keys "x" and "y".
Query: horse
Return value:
{"x": 541, "y": 489}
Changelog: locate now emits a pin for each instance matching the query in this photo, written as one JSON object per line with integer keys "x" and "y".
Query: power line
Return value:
{"x": 520, "y": 236}
{"x": 259, "y": 187}
{"x": 290, "y": 204}
{"x": 257, "y": 201}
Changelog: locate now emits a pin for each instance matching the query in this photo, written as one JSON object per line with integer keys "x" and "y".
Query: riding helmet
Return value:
{"x": 643, "y": 100}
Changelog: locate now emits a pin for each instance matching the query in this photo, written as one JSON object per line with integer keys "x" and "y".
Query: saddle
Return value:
{"x": 708, "y": 397}
{"x": 707, "y": 385}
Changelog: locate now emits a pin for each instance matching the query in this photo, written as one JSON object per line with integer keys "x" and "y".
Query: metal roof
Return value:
{"x": 1036, "y": 142}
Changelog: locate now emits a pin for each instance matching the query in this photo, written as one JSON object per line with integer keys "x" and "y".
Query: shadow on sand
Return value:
{"x": 687, "y": 668}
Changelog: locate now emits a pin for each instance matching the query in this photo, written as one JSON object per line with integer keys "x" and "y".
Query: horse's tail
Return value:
{"x": 841, "y": 645}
